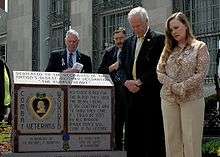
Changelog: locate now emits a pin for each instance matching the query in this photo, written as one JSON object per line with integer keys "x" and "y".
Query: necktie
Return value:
{"x": 137, "y": 49}
{"x": 118, "y": 54}
{"x": 70, "y": 63}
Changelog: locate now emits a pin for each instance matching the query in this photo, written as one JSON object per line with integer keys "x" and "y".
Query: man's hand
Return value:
{"x": 132, "y": 86}
{"x": 113, "y": 67}
{"x": 71, "y": 70}
{"x": 138, "y": 82}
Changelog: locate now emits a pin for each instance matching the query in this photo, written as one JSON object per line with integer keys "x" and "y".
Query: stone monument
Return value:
{"x": 63, "y": 113}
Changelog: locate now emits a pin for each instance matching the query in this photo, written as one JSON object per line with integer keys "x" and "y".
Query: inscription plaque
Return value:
{"x": 54, "y": 78}
{"x": 89, "y": 110}
{"x": 90, "y": 142}
{"x": 32, "y": 143}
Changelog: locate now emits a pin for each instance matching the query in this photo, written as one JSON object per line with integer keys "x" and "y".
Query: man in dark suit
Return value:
{"x": 66, "y": 62}
{"x": 139, "y": 58}
{"x": 109, "y": 65}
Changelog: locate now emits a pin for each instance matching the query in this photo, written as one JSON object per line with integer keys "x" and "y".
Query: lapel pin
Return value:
{"x": 63, "y": 62}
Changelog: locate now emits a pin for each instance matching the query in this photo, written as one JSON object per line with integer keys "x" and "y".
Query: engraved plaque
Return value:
{"x": 30, "y": 143}
{"x": 40, "y": 110}
{"x": 55, "y": 78}
{"x": 89, "y": 110}
{"x": 89, "y": 142}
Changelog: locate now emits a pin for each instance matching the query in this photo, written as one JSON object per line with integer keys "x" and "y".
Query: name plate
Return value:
{"x": 51, "y": 143}
{"x": 54, "y": 78}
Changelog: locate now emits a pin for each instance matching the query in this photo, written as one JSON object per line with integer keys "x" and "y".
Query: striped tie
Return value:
{"x": 70, "y": 63}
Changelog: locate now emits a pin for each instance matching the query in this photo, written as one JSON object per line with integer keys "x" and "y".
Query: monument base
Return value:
{"x": 69, "y": 154}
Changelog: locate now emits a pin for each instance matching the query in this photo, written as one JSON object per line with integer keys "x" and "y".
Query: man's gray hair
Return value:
{"x": 138, "y": 11}
{"x": 72, "y": 32}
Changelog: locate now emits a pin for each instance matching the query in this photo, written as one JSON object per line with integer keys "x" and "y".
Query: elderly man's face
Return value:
{"x": 139, "y": 27}
{"x": 72, "y": 42}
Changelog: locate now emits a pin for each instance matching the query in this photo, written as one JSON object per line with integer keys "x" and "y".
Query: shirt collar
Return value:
{"x": 68, "y": 52}
{"x": 188, "y": 46}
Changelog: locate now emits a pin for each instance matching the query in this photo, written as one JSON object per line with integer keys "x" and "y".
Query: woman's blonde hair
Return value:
{"x": 170, "y": 42}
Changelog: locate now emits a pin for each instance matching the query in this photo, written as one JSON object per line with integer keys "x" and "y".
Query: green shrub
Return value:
{"x": 211, "y": 147}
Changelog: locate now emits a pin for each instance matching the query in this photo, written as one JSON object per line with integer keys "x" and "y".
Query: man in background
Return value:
{"x": 67, "y": 61}
{"x": 109, "y": 65}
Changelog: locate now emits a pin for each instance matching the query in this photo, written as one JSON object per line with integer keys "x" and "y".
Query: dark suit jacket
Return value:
{"x": 146, "y": 63}
{"x": 110, "y": 57}
{"x": 58, "y": 62}
{"x": 144, "y": 106}
{"x": 2, "y": 89}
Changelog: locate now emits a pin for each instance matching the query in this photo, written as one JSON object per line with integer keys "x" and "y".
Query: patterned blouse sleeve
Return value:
{"x": 161, "y": 74}
{"x": 201, "y": 69}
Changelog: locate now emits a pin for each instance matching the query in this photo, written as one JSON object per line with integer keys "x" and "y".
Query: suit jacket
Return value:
{"x": 2, "y": 88}
{"x": 146, "y": 63}
{"x": 110, "y": 57}
{"x": 58, "y": 62}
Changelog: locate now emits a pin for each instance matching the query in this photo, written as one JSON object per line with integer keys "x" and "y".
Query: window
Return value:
{"x": 57, "y": 38}
{"x": 204, "y": 16}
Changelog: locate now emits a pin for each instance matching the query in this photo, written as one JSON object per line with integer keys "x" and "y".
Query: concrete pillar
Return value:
{"x": 44, "y": 34}
{"x": 19, "y": 35}
{"x": 81, "y": 21}
{"x": 158, "y": 11}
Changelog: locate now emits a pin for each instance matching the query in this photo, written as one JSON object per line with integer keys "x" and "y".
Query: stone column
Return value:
{"x": 81, "y": 21}
{"x": 44, "y": 34}
{"x": 158, "y": 11}
{"x": 19, "y": 35}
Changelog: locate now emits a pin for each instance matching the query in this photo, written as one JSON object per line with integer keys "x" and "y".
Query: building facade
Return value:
{"x": 37, "y": 28}
{"x": 51, "y": 20}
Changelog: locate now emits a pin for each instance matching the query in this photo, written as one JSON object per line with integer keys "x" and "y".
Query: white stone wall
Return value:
{"x": 81, "y": 21}
{"x": 44, "y": 34}
{"x": 19, "y": 35}
{"x": 159, "y": 11}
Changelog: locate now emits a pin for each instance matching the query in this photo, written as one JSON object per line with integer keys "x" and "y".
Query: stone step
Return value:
{"x": 69, "y": 154}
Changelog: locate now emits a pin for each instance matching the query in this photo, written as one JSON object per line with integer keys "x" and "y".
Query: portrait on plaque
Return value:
{"x": 40, "y": 105}
{"x": 40, "y": 110}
